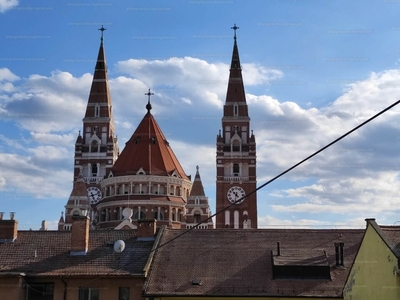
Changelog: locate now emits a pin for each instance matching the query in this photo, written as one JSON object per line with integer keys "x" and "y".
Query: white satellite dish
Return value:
{"x": 119, "y": 246}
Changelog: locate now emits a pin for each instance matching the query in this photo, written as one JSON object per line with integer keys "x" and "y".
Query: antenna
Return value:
{"x": 119, "y": 246}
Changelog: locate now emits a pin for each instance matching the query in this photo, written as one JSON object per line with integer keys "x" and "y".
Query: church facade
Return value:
{"x": 146, "y": 180}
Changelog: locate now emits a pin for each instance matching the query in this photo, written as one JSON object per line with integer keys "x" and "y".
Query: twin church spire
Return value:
{"x": 146, "y": 180}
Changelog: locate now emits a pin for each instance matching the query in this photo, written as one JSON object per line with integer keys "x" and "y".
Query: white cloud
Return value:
{"x": 7, "y": 75}
{"x": 272, "y": 222}
{"x": 7, "y": 4}
{"x": 359, "y": 175}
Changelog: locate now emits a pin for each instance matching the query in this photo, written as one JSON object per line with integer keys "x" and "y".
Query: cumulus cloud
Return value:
{"x": 357, "y": 176}
{"x": 7, "y": 4}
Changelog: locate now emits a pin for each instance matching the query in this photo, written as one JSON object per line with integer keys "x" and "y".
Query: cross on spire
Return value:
{"x": 102, "y": 31}
{"x": 148, "y": 106}
{"x": 234, "y": 29}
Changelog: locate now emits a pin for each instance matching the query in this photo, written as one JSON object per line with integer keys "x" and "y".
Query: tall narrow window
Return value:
{"x": 236, "y": 146}
{"x": 236, "y": 219}
{"x": 123, "y": 293}
{"x": 94, "y": 146}
{"x": 227, "y": 219}
{"x": 97, "y": 110}
{"x": 197, "y": 217}
{"x": 236, "y": 169}
{"x": 235, "y": 110}
{"x": 94, "y": 170}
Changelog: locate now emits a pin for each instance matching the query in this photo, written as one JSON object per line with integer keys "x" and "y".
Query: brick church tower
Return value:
{"x": 96, "y": 149}
{"x": 236, "y": 156}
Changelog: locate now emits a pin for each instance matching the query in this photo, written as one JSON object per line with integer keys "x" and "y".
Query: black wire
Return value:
{"x": 283, "y": 173}
{"x": 260, "y": 187}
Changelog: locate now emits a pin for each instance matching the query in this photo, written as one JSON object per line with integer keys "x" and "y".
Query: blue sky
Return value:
{"x": 312, "y": 70}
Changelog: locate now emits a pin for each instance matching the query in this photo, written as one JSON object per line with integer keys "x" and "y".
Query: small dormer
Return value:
{"x": 175, "y": 174}
{"x": 141, "y": 172}
{"x": 300, "y": 264}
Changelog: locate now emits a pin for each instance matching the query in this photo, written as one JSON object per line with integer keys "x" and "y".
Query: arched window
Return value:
{"x": 94, "y": 147}
{"x": 142, "y": 215}
{"x": 236, "y": 219}
{"x": 197, "y": 217}
{"x": 94, "y": 170}
{"x": 236, "y": 145}
{"x": 158, "y": 217}
{"x": 236, "y": 169}
{"x": 227, "y": 218}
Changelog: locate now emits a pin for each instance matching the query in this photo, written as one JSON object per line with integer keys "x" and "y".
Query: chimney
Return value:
{"x": 339, "y": 254}
{"x": 79, "y": 235}
{"x": 278, "y": 246}
{"x": 8, "y": 229}
{"x": 146, "y": 229}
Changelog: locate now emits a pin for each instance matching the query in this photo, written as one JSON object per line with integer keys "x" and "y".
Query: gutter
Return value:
{"x": 65, "y": 288}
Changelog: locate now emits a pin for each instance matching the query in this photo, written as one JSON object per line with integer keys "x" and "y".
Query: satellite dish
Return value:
{"x": 119, "y": 246}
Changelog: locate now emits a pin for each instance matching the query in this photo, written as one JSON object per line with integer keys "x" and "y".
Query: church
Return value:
{"x": 146, "y": 181}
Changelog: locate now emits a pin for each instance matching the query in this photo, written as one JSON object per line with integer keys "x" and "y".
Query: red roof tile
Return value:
{"x": 148, "y": 149}
{"x": 46, "y": 253}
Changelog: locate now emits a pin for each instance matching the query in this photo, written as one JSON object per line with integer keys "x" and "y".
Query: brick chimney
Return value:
{"x": 8, "y": 229}
{"x": 146, "y": 229}
{"x": 79, "y": 235}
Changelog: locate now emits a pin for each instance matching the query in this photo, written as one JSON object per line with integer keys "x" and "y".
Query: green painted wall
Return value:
{"x": 372, "y": 275}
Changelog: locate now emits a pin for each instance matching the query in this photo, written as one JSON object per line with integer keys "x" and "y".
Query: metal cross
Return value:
{"x": 234, "y": 29}
{"x": 148, "y": 106}
{"x": 102, "y": 31}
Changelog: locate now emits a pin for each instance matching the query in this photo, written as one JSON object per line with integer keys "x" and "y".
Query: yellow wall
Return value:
{"x": 372, "y": 275}
{"x": 240, "y": 298}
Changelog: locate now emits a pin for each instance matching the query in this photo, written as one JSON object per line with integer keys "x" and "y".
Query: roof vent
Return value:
{"x": 196, "y": 281}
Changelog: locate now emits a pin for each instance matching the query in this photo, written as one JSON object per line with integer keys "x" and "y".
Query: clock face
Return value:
{"x": 235, "y": 193}
{"x": 94, "y": 194}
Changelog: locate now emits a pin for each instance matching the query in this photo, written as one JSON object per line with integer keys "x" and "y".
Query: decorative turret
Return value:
{"x": 198, "y": 208}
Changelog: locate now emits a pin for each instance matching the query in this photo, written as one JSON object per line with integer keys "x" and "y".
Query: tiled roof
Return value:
{"x": 392, "y": 234}
{"x": 79, "y": 189}
{"x": 148, "y": 149}
{"x": 197, "y": 188}
{"x": 99, "y": 91}
{"x": 46, "y": 253}
{"x": 227, "y": 262}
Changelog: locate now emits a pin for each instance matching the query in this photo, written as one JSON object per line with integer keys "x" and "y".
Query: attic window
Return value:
{"x": 298, "y": 264}
{"x": 196, "y": 282}
{"x": 137, "y": 140}
{"x": 153, "y": 140}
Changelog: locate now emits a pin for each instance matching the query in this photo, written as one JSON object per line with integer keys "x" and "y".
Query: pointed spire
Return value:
{"x": 61, "y": 221}
{"x": 197, "y": 188}
{"x": 99, "y": 91}
{"x": 235, "y": 92}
